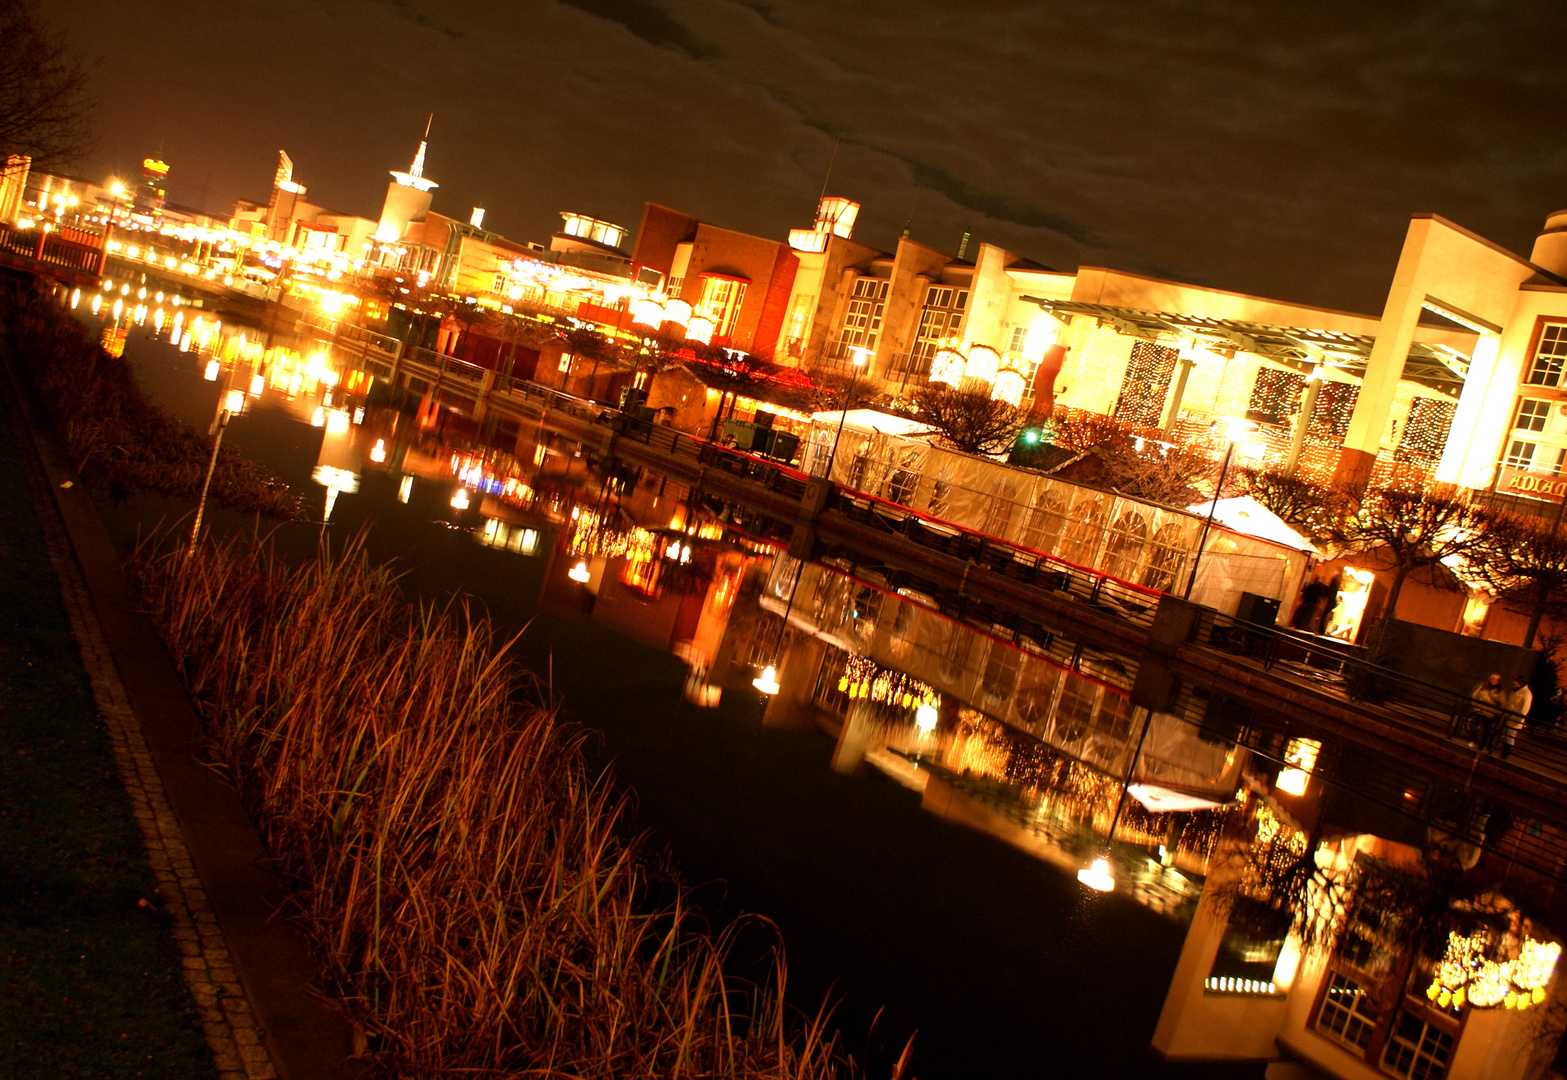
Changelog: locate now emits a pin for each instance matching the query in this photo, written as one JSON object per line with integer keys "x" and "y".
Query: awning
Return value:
{"x": 1166, "y": 800}
{"x": 1244, "y": 514}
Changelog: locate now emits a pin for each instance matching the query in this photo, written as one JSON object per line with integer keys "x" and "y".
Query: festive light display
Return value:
{"x": 1146, "y": 385}
{"x": 864, "y": 680}
{"x": 1425, "y": 430}
{"x": 677, "y": 312}
{"x": 1009, "y": 387}
{"x": 1466, "y": 975}
{"x": 700, "y": 329}
{"x": 647, "y": 313}
{"x": 1276, "y": 395}
{"x": 982, "y": 364}
{"x": 947, "y": 367}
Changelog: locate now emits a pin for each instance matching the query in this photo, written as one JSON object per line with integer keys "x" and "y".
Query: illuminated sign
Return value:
{"x": 154, "y": 166}
{"x": 1534, "y": 485}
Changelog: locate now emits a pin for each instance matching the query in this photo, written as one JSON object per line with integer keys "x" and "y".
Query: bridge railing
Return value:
{"x": 1348, "y": 671}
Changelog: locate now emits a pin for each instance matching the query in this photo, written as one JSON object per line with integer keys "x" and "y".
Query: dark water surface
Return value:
{"x": 1004, "y": 965}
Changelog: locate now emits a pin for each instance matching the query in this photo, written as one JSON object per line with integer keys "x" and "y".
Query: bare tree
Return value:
{"x": 44, "y": 108}
{"x": 1405, "y": 531}
{"x": 1526, "y": 564}
{"x": 974, "y": 423}
{"x": 1312, "y": 508}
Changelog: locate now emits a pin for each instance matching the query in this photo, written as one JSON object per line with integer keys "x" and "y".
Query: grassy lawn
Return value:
{"x": 90, "y": 982}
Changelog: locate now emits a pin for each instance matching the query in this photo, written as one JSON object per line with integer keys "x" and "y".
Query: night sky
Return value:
{"x": 1269, "y": 148}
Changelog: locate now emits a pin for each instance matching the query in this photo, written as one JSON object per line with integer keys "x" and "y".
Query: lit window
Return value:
{"x": 1550, "y": 356}
{"x": 1417, "y": 1049}
{"x": 1520, "y": 455}
{"x": 721, "y": 300}
{"x": 1019, "y": 339}
{"x": 1532, "y": 414}
{"x": 862, "y": 323}
{"x": 1348, "y": 1014}
{"x": 674, "y": 285}
{"x": 942, "y": 317}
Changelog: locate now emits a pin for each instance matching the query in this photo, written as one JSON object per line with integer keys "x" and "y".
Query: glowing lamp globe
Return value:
{"x": 767, "y": 682}
{"x": 579, "y": 573}
{"x": 460, "y": 500}
{"x": 677, "y": 312}
{"x": 700, "y": 329}
{"x": 211, "y": 374}
{"x": 1008, "y": 387}
{"x": 235, "y": 403}
{"x": 925, "y": 717}
{"x": 1292, "y": 781}
{"x": 647, "y": 313}
{"x": 1098, "y": 876}
{"x": 947, "y": 367}
{"x": 378, "y": 451}
{"x": 983, "y": 363}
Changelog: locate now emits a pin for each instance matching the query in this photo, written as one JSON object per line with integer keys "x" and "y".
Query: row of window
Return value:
{"x": 1416, "y": 1043}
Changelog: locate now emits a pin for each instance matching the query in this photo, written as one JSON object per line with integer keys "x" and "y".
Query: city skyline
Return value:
{"x": 1187, "y": 144}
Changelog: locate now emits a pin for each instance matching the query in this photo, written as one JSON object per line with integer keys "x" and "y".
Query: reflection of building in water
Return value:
{"x": 1081, "y": 710}
{"x": 1350, "y": 957}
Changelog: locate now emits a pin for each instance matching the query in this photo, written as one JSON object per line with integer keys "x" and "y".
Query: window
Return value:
{"x": 674, "y": 285}
{"x": 1146, "y": 384}
{"x": 721, "y": 300}
{"x": 1416, "y": 1048}
{"x": 1348, "y": 1014}
{"x": 1520, "y": 455}
{"x": 1019, "y": 339}
{"x": 799, "y": 324}
{"x": 1549, "y": 356}
{"x": 942, "y": 317}
{"x": 862, "y": 324}
{"x": 1532, "y": 414}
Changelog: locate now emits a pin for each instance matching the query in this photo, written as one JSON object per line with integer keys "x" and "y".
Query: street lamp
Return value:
{"x": 767, "y": 682}
{"x": 860, "y": 355}
{"x": 231, "y": 404}
{"x": 1236, "y": 432}
{"x": 1098, "y": 875}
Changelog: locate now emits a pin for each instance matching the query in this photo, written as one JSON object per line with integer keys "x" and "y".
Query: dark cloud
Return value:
{"x": 1274, "y": 149}
{"x": 649, "y": 22}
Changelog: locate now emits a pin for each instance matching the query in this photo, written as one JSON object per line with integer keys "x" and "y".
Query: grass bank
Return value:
{"x": 465, "y": 882}
{"x": 90, "y": 982}
{"x": 117, "y": 437}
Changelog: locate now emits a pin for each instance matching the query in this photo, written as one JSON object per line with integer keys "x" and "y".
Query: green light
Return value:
{"x": 1031, "y": 436}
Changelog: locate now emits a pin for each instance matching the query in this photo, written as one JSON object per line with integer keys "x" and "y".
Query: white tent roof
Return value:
{"x": 872, "y": 420}
{"x": 1244, "y": 514}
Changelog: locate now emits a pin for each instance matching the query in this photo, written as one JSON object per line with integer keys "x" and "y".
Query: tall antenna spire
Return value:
{"x": 417, "y": 169}
{"x": 830, "y": 163}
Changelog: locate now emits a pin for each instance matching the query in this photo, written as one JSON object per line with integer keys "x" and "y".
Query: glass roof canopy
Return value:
{"x": 1436, "y": 366}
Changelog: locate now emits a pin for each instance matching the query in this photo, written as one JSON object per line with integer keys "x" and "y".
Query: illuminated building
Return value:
{"x": 13, "y": 185}
{"x": 152, "y": 188}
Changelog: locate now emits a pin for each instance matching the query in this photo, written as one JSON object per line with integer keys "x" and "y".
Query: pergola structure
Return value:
{"x": 1439, "y": 367}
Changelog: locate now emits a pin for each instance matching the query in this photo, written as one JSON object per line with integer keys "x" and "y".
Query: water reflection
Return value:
{"x": 1035, "y": 742}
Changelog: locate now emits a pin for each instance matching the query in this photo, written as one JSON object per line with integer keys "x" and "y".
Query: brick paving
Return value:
{"x": 227, "y": 1019}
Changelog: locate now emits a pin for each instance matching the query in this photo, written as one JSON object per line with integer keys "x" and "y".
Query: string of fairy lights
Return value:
{"x": 1147, "y": 383}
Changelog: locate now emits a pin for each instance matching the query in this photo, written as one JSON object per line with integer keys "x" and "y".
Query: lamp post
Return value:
{"x": 767, "y": 682}
{"x": 1236, "y": 430}
{"x": 1098, "y": 875}
{"x": 860, "y": 355}
{"x": 232, "y": 403}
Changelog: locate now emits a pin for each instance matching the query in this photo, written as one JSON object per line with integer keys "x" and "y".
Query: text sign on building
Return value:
{"x": 1531, "y": 485}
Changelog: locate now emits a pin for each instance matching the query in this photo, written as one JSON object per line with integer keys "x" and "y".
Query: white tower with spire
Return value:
{"x": 408, "y": 196}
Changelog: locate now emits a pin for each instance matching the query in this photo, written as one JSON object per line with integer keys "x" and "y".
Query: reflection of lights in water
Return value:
{"x": 159, "y": 296}
{"x": 211, "y": 374}
{"x": 256, "y": 384}
{"x": 575, "y": 510}
{"x": 326, "y": 398}
{"x": 125, "y": 290}
{"x": 538, "y": 451}
{"x": 1097, "y": 876}
{"x": 119, "y": 306}
{"x": 97, "y": 304}
{"x": 141, "y": 293}
{"x": 359, "y": 415}
{"x": 157, "y": 319}
{"x": 579, "y": 573}
{"x": 460, "y": 500}
{"x": 925, "y": 717}
{"x": 76, "y": 297}
{"x": 405, "y": 489}
{"x": 187, "y": 342}
{"x": 335, "y": 480}
{"x": 767, "y": 682}
{"x": 337, "y": 421}
{"x": 378, "y": 451}
{"x": 235, "y": 402}
{"x": 295, "y": 382}
{"x": 499, "y": 534}
{"x": 318, "y": 418}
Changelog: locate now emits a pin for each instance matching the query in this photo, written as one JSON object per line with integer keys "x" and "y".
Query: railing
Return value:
{"x": 69, "y": 248}
{"x": 910, "y": 370}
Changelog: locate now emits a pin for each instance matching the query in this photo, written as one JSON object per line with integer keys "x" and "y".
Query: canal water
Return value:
{"x": 919, "y": 864}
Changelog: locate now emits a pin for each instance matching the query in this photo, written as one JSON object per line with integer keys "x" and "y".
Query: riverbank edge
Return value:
{"x": 248, "y": 969}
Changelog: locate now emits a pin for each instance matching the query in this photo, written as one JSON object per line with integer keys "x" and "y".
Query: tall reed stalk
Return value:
{"x": 472, "y": 901}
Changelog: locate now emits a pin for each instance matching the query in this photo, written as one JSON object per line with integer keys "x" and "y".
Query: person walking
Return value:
{"x": 1490, "y": 700}
{"x": 1518, "y": 703}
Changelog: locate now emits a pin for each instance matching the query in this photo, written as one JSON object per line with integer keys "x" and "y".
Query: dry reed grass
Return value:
{"x": 472, "y": 900}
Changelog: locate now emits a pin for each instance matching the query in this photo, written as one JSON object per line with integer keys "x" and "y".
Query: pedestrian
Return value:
{"x": 729, "y": 440}
{"x": 1519, "y": 701}
{"x": 1313, "y": 606}
{"x": 1490, "y": 699}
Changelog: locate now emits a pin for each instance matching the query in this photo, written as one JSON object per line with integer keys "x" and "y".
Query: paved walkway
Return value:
{"x": 248, "y": 971}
